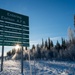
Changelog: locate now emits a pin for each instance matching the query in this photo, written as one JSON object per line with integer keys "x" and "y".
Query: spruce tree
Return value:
{"x": 63, "y": 44}
{"x": 49, "y": 44}
{"x": 52, "y": 43}
{"x": 13, "y": 51}
{"x": 58, "y": 46}
{"x": 42, "y": 43}
{"x": 46, "y": 44}
{"x": 33, "y": 47}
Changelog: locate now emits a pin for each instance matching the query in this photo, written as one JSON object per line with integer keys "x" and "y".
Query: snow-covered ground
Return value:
{"x": 13, "y": 67}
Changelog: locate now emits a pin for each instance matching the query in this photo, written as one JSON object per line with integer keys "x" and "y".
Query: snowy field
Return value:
{"x": 13, "y": 67}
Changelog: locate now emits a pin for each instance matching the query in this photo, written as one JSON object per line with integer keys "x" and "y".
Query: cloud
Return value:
{"x": 39, "y": 41}
{"x": 35, "y": 42}
{"x": 55, "y": 38}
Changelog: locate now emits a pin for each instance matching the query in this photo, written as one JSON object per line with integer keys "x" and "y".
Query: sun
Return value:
{"x": 17, "y": 47}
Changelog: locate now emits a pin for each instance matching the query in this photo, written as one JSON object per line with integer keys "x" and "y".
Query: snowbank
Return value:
{"x": 41, "y": 67}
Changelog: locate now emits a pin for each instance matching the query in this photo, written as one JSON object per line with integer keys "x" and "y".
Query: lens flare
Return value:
{"x": 17, "y": 47}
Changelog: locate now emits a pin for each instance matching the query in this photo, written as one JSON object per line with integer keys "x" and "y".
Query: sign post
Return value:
{"x": 22, "y": 61}
{"x": 2, "y": 51}
{"x": 2, "y": 58}
{"x": 14, "y": 29}
{"x": 22, "y": 55}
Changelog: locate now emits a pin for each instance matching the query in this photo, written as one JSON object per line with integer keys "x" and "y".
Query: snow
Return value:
{"x": 13, "y": 67}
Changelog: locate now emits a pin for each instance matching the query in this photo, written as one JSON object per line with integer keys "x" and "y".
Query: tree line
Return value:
{"x": 48, "y": 51}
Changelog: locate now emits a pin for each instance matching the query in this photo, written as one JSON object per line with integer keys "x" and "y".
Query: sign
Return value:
{"x": 13, "y": 17}
{"x": 14, "y": 43}
{"x": 18, "y": 26}
{"x": 14, "y": 28}
{"x": 13, "y": 35}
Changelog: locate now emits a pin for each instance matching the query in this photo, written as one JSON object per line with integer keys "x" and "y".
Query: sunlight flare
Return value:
{"x": 17, "y": 47}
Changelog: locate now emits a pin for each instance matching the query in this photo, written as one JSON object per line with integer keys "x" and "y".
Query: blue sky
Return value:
{"x": 48, "y": 18}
